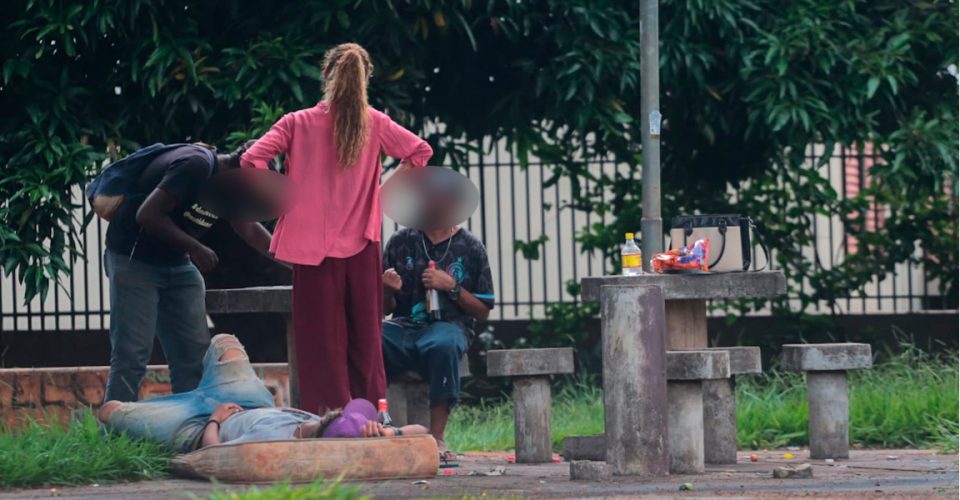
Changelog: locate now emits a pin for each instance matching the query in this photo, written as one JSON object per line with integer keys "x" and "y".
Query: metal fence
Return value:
{"x": 514, "y": 206}
{"x": 905, "y": 289}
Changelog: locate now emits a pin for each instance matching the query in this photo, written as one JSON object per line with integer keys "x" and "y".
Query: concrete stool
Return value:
{"x": 826, "y": 367}
{"x": 531, "y": 370}
{"x": 686, "y": 371}
{"x": 408, "y": 395}
{"x": 720, "y": 406}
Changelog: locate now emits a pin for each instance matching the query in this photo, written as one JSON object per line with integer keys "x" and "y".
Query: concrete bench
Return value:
{"x": 531, "y": 370}
{"x": 720, "y": 406}
{"x": 262, "y": 299}
{"x": 686, "y": 372}
{"x": 408, "y": 395}
{"x": 826, "y": 368}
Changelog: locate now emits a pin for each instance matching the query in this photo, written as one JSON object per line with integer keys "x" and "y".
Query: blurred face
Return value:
{"x": 429, "y": 198}
{"x": 440, "y": 212}
{"x": 271, "y": 191}
{"x": 247, "y": 194}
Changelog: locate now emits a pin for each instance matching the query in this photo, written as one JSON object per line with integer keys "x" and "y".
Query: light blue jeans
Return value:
{"x": 147, "y": 301}
{"x": 178, "y": 419}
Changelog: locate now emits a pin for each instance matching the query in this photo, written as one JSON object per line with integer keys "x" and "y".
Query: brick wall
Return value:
{"x": 47, "y": 394}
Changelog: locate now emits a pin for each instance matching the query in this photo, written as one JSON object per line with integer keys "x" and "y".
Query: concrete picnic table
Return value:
{"x": 642, "y": 317}
{"x": 686, "y": 297}
{"x": 261, "y": 299}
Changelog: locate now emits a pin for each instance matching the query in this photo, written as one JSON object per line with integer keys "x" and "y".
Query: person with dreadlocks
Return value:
{"x": 332, "y": 235}
{"x": 154, "y": 258}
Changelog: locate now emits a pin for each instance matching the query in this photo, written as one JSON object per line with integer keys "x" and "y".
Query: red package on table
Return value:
{"x": 689, "y": 259}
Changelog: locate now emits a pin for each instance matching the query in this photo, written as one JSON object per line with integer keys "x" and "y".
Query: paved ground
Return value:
{"x": 868, "y": 473}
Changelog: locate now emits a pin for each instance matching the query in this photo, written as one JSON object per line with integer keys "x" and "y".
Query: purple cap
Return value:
{"x": 350, "y": 424}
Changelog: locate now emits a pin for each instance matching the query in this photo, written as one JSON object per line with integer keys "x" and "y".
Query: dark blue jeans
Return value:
{"x": 433, "y": 351}
{"x": 147, "y": 301}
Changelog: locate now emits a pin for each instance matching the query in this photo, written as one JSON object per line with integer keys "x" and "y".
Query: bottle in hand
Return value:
{"x": 383, "y": 414}
{"x": 630, "y": 257}
{"x": 433, "y": 298}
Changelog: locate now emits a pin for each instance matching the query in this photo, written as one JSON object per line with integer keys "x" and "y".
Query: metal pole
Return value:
{"x": 651, "y": 225}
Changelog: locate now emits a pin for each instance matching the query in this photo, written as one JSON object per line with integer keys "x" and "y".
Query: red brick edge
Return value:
{"x": 53, "y": 394}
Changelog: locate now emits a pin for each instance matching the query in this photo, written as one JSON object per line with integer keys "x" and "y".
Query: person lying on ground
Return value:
{"x": 232, "y": 405}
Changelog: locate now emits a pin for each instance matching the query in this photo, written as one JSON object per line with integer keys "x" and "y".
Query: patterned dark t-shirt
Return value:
{"x": 466, "y": 262}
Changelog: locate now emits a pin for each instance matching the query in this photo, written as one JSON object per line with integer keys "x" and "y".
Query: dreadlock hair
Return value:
{"x": 325, "y": 422}
{"x": 346, "y": 69}
{"x": 232, "y": 159}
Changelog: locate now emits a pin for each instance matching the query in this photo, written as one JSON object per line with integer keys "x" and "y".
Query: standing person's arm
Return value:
{"x": 257, "y": 236}
{"x": 274, "y": 143}
{"x": 401, "y": 143}
{"x": 254, "y": 234}
{"x": 179, "y": 182}
{"x": 154, "y": 217}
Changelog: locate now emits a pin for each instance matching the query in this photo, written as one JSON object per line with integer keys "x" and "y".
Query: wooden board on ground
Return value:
{"x": 305, "y": 460}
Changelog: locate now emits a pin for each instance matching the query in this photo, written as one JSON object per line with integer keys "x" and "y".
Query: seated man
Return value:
{"x": 232, "y": 405}
{"x": 431, "y": 343}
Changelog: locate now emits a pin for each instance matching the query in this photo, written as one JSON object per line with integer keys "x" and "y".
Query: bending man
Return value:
{"x": 154, "y": 259}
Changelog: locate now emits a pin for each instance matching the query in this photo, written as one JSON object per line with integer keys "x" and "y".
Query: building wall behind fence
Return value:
{"x": 514, "y": 206}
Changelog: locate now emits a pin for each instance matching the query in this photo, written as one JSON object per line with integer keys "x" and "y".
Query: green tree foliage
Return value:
{"x": 747, "y": 87}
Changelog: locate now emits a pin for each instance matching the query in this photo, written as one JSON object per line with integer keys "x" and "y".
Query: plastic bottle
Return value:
{"x": 433, "y": 298}
{"x": 383, "y": 414}
{"x": 630, "y": 257}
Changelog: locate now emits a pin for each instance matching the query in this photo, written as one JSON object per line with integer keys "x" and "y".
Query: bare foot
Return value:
{"x": 107, "y": 409}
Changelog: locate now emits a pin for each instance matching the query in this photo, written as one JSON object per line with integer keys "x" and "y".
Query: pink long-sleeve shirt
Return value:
{"x": 337, "y": 210}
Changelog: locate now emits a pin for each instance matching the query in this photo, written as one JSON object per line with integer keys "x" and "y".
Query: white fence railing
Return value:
{"x": 514, "y": 206}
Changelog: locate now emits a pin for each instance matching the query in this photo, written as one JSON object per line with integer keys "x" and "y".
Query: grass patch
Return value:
{"x": 911, "y": 400}
{"x": 317, "y": 490}
{"x": 908, "y": 401}
{"x": 488, "y": 426}
{"x": 41, "y": 454}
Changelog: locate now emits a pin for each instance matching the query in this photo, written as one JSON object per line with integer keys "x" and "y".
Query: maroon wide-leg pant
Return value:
{"x": 337, "y": 322}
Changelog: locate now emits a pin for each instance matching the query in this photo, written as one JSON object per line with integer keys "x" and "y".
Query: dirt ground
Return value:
{"x": 867, "y": 474}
